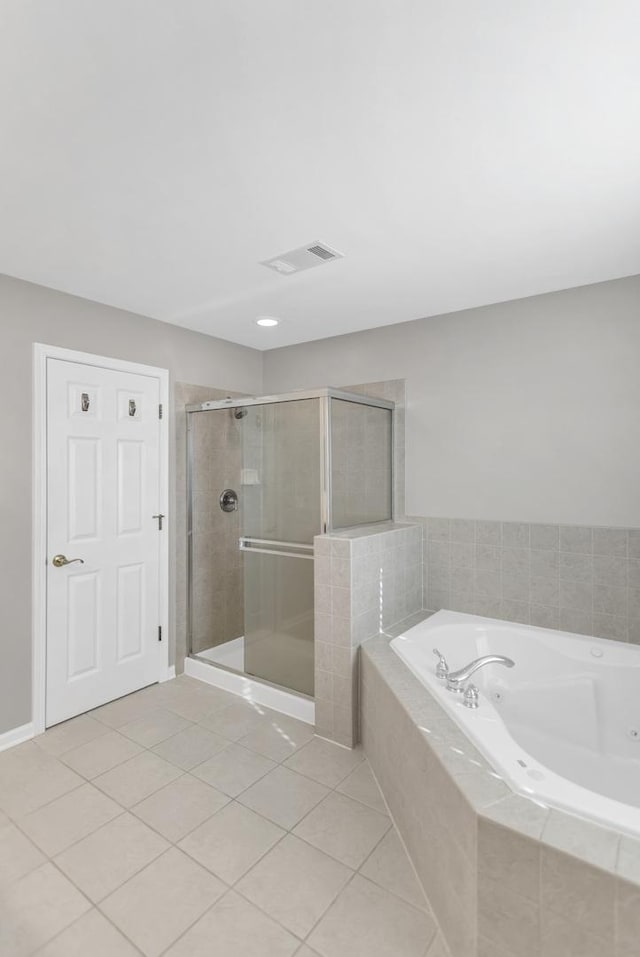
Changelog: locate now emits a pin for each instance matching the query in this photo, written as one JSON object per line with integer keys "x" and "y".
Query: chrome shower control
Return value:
{"x": 229, "y": 500}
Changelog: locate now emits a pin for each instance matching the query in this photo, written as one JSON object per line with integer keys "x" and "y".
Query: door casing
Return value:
{"x": 41, "y": 353}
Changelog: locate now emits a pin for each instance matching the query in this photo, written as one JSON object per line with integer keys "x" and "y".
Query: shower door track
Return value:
{"x": 240, "y": 402}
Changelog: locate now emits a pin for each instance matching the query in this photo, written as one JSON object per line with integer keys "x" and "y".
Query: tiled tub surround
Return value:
{"x": 557, "y": 725}
{"x": 366, "y": 579}
{"x": 505, "y": 877}
{"x": 573, "y": 578}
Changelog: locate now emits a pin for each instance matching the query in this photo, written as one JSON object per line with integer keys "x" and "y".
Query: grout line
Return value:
{"x": 36, "y": 740}
{"x": 412, "y": 865}
{"x": 93, "y": 906}
{"x": 16, "y": 821}
{"x": 187, "y": 929}
{"x": 395, "y": 829}
{"x": 51, "y": 857}
{"x": 117, "y": 764}
{"x": 163, "y": 853}
{"x": 237, "y": 891}
{"x": 102, "y": 827}
{"x": 328, "y": 908}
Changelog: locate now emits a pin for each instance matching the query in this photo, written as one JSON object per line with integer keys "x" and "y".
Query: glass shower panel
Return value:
{"x": 279, "y": 620}
{"x": 361, "y": 463}
{"x": 281, "y": 474}
{"x": 217, "y": 581}
{"x": 281, "y": 496}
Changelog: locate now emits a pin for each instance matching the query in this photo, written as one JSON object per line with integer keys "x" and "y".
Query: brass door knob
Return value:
{"x": 58, "y": 561}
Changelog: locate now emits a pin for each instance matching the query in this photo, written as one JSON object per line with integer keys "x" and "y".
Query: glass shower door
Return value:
{"x": 281, "y": 512}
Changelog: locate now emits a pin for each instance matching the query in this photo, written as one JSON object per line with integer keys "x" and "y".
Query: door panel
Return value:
{"x": 84, "y": 505}
{"x": 130, "y": 479}
{"x": 278, "y": 644}
{"x": 281, "y": 511}
{"x": 281, "y": 445}
{"x": 82, "y": 635}
{"x": 130, "y": 591}
{"x": 103, "y": 488}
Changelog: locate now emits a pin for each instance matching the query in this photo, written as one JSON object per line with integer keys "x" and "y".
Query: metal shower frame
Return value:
{"x": 325, "y": 396}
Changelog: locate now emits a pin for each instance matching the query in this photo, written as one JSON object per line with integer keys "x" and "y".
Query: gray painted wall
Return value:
{"x": 524, "y": 411}
{"x": 31, "y": 314}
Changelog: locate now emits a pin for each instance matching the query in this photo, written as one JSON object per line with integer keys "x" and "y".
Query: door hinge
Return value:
{"x": 159, "y": 632}
{"x": 160, "y": 411}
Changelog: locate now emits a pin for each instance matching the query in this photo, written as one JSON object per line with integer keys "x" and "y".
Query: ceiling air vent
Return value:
{"x": 322, "y": 252}
{"x": 306, "y": 257}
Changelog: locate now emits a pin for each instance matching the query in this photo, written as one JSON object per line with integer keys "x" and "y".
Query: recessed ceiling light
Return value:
{"x": 267, "y": 321}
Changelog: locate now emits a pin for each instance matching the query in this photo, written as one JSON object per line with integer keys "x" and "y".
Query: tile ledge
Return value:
{"x": 365, "y": 531}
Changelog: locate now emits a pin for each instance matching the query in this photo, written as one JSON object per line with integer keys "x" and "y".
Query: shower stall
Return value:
{"x": 265, "y": 475}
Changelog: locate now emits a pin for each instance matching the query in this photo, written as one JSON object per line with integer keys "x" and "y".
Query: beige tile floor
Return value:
{"x": 184, "y": 821}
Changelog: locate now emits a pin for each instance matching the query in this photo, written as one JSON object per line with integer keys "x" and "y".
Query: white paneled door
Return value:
{"x": 103, "y": 541}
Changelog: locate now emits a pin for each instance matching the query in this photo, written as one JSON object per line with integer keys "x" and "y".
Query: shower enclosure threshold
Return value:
{"x": 251, "y": 690}
{"x": 230, "y": 654}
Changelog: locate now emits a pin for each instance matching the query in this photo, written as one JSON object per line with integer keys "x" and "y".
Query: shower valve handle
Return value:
{"x": 229, "y": 500}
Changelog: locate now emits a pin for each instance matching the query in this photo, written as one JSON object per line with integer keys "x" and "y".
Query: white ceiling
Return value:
{"x": 458, "y": 153}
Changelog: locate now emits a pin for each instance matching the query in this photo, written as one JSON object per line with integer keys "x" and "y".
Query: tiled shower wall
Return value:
{"x": 566, "y": 577}
{"x": 213, "y": 547}
{"x": 217, "y": 588}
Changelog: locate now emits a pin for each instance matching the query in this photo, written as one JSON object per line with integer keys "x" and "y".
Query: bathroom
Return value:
{"x": 416, "y": 433}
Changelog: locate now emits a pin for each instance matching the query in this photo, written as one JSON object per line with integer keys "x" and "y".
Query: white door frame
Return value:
{"x": 41, "y": 353}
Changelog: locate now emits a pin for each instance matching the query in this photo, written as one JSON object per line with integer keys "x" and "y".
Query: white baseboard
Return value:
{"x": 285, "y": 702}
{"x": 16, "y": 736}
{"x": 168, "y": 674}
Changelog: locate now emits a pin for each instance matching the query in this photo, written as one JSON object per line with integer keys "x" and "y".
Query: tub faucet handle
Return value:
{"x": 442, "y": 668}
{"x": 471, "y": 695}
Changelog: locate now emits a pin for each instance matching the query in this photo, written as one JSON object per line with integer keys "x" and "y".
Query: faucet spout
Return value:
{"x": 456, "y": 679}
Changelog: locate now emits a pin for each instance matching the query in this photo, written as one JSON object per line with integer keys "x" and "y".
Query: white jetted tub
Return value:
{"x": 562, "y": 726}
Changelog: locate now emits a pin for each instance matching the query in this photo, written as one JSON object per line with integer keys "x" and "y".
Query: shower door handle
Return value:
{"x": 268, "y": 546}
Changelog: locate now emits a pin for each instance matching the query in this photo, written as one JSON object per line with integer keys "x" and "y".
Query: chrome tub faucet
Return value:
{"x": 456, "y": 679}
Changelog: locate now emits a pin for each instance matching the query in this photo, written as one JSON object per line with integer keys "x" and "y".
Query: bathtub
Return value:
{"x": 562, "y": 727}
